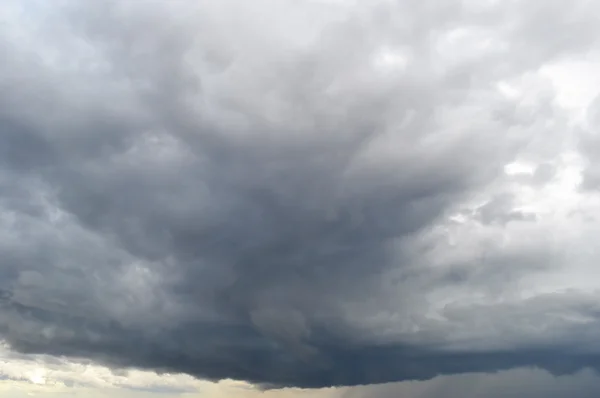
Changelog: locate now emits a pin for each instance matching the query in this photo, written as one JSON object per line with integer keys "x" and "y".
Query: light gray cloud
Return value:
{"x": 276, "y": 193}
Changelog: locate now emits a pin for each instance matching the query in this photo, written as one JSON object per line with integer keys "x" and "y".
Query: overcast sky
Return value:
{"x": 290, "y": 198}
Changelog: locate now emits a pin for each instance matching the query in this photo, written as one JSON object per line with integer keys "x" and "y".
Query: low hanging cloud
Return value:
{"x": 530, "y": 383}
{"x": 299, "y": 193}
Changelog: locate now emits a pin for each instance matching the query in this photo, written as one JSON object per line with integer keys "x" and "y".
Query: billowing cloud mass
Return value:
{"x": 301, "y": 193}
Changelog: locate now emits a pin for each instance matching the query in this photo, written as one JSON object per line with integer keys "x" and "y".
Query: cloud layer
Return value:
{"x": 300, "y": 193}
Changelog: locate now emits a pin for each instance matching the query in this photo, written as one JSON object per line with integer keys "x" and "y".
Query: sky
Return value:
{"x": 299, "y": 198}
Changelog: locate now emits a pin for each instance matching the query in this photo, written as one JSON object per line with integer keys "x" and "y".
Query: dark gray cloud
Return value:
{"x": 256, "y": 192}
{"x": 529, "y": 383}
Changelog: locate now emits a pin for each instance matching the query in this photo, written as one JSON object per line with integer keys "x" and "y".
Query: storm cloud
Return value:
{"x": 528, "y": 383}
{"x": 298, "y": 193}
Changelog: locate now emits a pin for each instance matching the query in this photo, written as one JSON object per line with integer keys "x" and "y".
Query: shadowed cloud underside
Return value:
{"x": 299, "y": 193}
